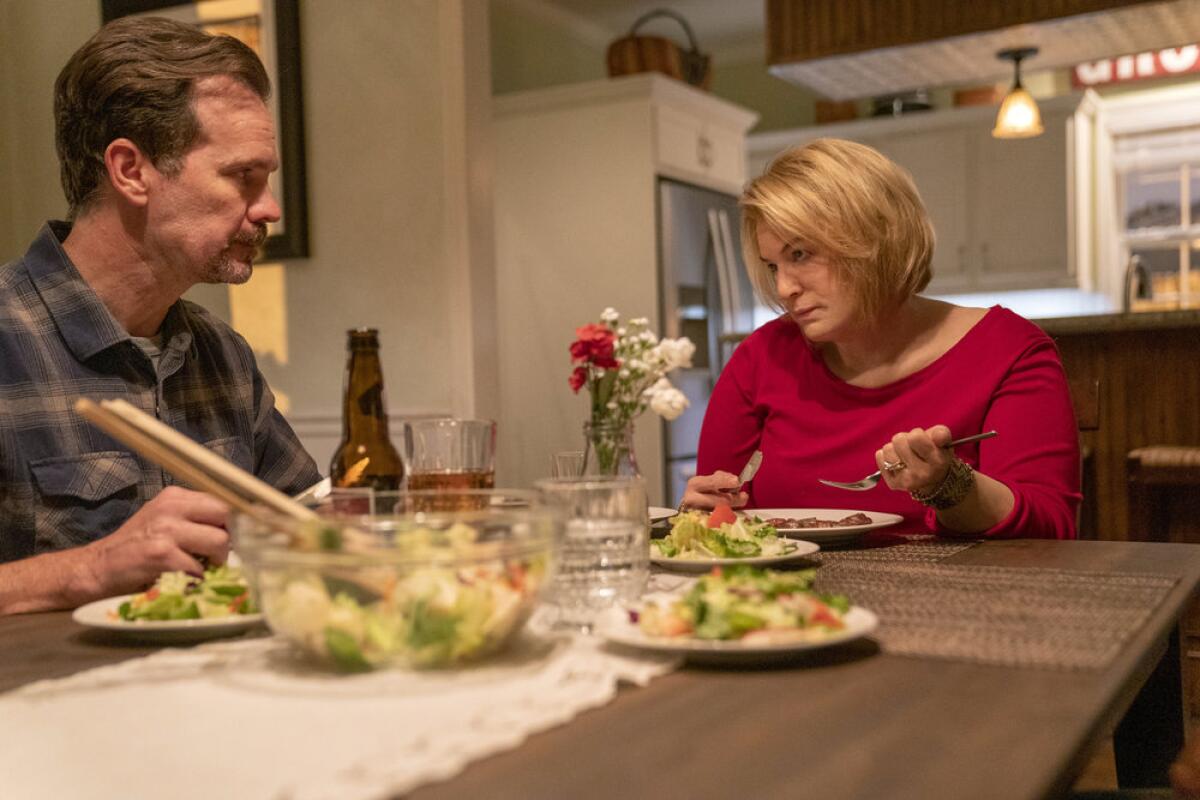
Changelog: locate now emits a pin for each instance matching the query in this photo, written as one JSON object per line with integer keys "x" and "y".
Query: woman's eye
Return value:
{"x": 799, "y": 255}
{"x": 771, "y": 268}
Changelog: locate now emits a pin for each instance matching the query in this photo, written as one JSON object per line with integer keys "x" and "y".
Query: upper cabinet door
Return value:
{"x": 937, "y": 160}
{"x": 1005, "y": 213}
{"x": 1021, "y": 201}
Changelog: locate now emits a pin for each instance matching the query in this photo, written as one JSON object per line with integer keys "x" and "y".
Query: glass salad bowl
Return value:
{"x": 411, "y": 579}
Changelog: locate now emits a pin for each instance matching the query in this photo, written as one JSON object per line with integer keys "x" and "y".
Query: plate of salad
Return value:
{"x": 179, "y": 608}
{"x": 700, "y": 540}
{"x": 740, "y": 612}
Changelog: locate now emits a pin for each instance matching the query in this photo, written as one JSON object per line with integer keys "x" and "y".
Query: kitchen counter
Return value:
{"x": 1115, "y": 323}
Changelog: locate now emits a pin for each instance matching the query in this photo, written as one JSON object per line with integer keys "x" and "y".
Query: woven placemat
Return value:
{"x": 917, "y": 548}
{"x": 1017, "y": 617}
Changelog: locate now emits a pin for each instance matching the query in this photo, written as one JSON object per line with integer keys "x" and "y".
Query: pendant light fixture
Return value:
{"x": 1019, "y": 117}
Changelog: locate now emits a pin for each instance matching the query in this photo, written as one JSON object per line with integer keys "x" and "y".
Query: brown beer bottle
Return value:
{"x": 365, "y": 422}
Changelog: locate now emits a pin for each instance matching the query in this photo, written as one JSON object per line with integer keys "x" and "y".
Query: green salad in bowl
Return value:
{"x": 421, "y": 589}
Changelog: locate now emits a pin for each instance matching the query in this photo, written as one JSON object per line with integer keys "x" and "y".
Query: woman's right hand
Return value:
{"x": 705, "y": 491}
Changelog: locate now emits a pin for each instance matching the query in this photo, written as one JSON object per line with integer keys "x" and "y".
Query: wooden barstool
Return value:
{"x": 1164, "y": 493}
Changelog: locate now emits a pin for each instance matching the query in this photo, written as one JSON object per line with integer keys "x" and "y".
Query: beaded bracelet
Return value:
{"x": 951, "y": 491}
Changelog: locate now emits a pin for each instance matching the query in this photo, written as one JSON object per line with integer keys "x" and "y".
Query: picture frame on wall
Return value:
{"x": 272, "y": 29}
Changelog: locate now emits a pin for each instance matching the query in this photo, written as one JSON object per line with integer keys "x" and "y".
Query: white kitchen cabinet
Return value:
{"x": 1004, "y": 210}
{"x": 576, "y": 217}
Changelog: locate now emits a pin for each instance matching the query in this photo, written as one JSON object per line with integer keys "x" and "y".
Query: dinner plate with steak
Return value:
{"x": 825, "y": 526}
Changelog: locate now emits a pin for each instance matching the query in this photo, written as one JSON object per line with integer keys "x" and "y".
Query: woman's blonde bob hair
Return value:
{"x": 849, "y": 204}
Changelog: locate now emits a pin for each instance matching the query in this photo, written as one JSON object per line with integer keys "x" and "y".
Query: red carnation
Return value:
{"x": 594, "y": 344}
{"x": 578, "y": 378}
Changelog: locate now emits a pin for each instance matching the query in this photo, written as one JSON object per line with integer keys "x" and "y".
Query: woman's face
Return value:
{"x": 808, "y": 288}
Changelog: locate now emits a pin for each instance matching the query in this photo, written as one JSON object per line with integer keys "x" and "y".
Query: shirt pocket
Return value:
{"x": 83, "y": 497}
{"x": 233, "y": 450}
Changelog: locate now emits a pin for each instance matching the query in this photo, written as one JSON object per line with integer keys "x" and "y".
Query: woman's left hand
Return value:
{"x": 916, "y": 460}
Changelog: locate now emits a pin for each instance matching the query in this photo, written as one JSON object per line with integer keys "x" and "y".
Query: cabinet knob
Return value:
{"x": 704, "y": 153}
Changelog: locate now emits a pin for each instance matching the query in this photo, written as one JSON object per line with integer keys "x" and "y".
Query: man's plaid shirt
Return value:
{"x": 63, "y": 482}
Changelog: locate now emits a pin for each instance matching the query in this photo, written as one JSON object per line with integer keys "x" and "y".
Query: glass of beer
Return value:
{"x": 448, "y": 454}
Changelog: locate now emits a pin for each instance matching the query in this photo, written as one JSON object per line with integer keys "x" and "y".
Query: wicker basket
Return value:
{"x": 633, "y": 53}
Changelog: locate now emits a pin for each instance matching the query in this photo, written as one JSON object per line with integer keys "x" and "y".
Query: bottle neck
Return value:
{"x": 364, "y": 415}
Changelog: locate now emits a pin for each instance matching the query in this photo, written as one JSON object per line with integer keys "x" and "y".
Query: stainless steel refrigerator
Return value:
{"x": 706, "y": 296}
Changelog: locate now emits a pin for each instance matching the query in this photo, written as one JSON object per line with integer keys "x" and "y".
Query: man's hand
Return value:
{"x": 705, "y": 491}
{"x": 171, "y": 532}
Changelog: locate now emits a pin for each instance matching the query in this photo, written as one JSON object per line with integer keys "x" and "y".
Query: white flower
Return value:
{"x": 667, "y": 401}
{"x": 638, "y": 382}
{"x": 676, "y": 352}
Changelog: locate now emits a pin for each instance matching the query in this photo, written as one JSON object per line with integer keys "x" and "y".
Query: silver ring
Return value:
{"x": 893, "y": 466}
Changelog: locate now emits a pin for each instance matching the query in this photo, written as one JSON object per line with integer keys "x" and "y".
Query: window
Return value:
{"x": 1158, "y": 175}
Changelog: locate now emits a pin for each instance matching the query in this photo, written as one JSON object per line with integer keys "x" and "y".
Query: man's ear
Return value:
{"x": 130, "y": 171}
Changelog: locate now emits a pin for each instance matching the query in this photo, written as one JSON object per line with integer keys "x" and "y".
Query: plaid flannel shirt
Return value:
{"x": 64, "y": 482}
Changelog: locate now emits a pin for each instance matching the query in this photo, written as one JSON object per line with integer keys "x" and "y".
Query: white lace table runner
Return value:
{"x": 248, "y": 719}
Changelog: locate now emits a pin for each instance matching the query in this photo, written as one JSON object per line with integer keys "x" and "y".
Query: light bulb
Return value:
{"x": 1019, "y": 116}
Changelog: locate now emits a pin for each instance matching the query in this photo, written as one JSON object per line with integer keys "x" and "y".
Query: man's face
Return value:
{"x": 207, "y": 221}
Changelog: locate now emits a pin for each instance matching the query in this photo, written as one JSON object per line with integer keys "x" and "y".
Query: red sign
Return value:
{"x": 1172, "y": 61}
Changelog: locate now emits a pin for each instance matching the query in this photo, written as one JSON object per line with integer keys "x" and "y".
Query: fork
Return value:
{"x": 872, "y": 480}
{"x": 321, "y": 489}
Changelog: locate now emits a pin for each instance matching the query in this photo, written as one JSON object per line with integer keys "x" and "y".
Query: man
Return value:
{"x": 165, "y": 144}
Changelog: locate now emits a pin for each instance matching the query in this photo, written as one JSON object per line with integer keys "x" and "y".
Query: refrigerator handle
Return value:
{"x": 731, "y": 275}
{"x": 723, "y": 289}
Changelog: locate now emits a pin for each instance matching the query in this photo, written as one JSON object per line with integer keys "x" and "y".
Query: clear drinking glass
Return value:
{"x": 450, "y": 453}
{"x": 567, "y": 464}
{"x": 605, "y": 555}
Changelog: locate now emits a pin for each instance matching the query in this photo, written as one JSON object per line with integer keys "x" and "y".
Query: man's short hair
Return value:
{"x": 135, "y": 79}
{"x": 849, "y": 203}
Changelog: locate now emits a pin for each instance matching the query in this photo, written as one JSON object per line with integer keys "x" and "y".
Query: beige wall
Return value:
{"x": 36, "y": 39}
{"x": 779, "y": 104}
{"x": 530, "y": 51}
{"x": 391, "y": 102}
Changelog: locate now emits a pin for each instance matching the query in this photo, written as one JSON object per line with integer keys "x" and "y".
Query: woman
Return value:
{"x": 836, "y": 237}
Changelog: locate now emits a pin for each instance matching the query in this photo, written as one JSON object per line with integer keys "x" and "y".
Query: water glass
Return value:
{"x": 605, "y": 556}
{"x": 567, "y": 464}
{"x": 449, "y": 453}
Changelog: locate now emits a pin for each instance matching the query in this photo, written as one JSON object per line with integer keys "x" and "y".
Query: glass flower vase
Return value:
{"x": 609, "y": 449}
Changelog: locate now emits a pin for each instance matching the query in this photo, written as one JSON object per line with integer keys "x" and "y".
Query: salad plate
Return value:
{"x": 696, "y": 563}
{"x": 825, "y": 536}
{"x": 617, "y": 627}
{"x": 102, "y": 614}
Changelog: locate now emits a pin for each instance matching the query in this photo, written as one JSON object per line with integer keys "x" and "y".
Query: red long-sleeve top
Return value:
{"x": 776, "y": 394}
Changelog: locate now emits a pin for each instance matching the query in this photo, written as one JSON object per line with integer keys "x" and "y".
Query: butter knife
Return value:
{"x": 748, "y": 471}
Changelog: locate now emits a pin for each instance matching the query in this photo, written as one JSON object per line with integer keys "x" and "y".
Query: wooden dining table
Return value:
{"x": 847, "y": 722}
